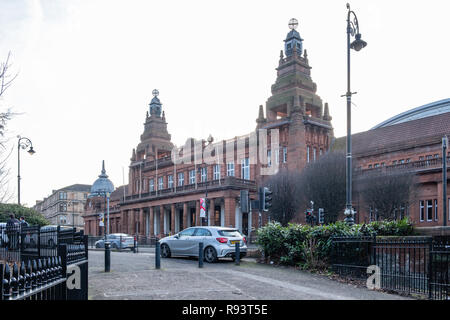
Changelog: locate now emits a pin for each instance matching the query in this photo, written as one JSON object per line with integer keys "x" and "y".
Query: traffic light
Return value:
{"x": 309, "y": 216}
{"x": 321, "y": 216}
{"x": 267, "y": 199}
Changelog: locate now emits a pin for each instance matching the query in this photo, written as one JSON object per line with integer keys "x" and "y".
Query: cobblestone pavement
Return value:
{"x": 133, "y": 277}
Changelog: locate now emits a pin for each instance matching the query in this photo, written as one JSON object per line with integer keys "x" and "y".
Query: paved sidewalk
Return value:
{"x": 133, "y": 277}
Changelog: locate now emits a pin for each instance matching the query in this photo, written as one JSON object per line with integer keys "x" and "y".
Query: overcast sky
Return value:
{"x": 86, "y": 70}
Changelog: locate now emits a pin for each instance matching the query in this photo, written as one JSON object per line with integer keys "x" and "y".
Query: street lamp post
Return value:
{"x": 22, "y": 143}
{"x": 357, "y": 45}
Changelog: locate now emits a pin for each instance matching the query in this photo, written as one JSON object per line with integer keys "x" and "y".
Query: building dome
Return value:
{"x": 102, "y": 185}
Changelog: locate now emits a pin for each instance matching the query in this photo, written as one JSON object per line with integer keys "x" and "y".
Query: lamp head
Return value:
{"x": 31, "y": 151}
{"x": 358, "y": 44}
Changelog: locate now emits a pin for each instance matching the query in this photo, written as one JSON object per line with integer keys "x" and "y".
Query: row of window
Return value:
{"x": 245, "y": 174}
{"x": 429, "y": 210}
{"x": 63, "y": 195}
{"x": 314, "y": 154}
{"x": 277, "y": 156}
{"x": 403, "y": 161}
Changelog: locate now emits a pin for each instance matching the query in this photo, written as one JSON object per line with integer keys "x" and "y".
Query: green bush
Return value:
{"x": 310, "y": 247}
{"x": 31, "y": 216}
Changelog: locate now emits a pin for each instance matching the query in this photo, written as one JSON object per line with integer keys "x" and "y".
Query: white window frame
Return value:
{"x": 269, "y": 158}
{"x": 180, "y": 179}
{"x": 436, "y": 210}
{"x": 204, "y": 174}
{"x": 151, "y": 185}
{"x": 191, "y": 176}
{"x": 160, "y": 183}
{"x": 284, "y": 154}
{"x": 314, "y": 154}
{"x": 230, "y": 169}
{"x": 245, "y": 169}
{"x": 422, "y": 210}
{"x": 170, "y": 181}
{"x": 307, "y": 154}
{"x": 430, "y": 206}
{"x": 216, "y": 172}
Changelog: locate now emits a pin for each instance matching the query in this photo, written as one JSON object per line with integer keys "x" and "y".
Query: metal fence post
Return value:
{"x": 430, "y": 263}
{"x": 62, "y": 254}
{"x": 157, "y": 255}
{"x": 107, "y": 257}
{"x": 39, "y": 242}
{"x": 200, "y": 255}
{"x": 237, "y": 254}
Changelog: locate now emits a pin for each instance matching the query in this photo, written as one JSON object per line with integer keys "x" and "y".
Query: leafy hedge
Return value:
{"x": 31, "y": 216}
{"x": 310, "y": 247}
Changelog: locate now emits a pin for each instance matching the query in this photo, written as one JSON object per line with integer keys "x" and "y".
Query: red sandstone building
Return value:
{"x": 412, "y": 142}
{"x": 165, "y": 187}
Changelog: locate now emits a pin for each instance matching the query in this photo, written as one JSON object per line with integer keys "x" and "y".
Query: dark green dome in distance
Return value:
{"x": 102, "y": 185}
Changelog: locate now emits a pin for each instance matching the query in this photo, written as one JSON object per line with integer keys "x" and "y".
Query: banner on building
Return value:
{"x": 102, "y": 220}
{"x": 202, "y": 208}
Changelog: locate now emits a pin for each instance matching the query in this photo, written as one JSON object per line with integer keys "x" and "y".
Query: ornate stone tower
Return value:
{"x": 294, "y": 101}
{"x": 155, "y": 138}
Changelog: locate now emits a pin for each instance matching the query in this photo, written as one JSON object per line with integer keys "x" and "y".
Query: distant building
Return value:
{"x": 163, "y": 196}
{"x": 65, "y": 206}
{"x": 408, "y": 142}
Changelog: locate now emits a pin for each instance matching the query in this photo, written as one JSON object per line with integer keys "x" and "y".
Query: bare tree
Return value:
{"x": 6, "y": 80}
{"x": 323, "y": 182}
{"x": 387, "y": 193}
{"x": 286, "y": 188}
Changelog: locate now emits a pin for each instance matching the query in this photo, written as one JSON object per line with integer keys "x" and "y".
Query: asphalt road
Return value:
{"x": 134, "y": 277}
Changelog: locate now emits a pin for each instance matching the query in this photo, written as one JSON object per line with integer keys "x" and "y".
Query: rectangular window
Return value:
{"x": 204, "y": 174}
{"x": 160, "y": 183}
{"x": 429, "y": 210}
{"x": 320, "y": 152}
{"x": 422, "y": 211}
{"x": 192, "y": 176}
{"x": 62, "y": 195}
{"x": 402, "y": 161}
{"x": 435, "y": 210}
{"x": 383, "y": 164}
{"x": 314, "y": 154}
{"x": 394, "y": 162}
{"x": 245, "y": 169}
{"x": 370, "y": 166}
{"x": 151, "y": 185}
{"x": 62, "y": 207}
{"x": 377, "y": 165}
{"x": 269, "y": 158}
{"x": 180, "y": 179}
{"x": 170, "y": 181}
{"x": 230, "y": 169}
{"x": 408, "y": 160}
{"x": 307, "y": 154}
{"x": 277, "y": 156}
{"x": 216, "y": 172}
{"x": 284, "y": 154}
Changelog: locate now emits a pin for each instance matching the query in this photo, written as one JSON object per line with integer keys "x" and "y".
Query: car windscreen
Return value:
{"x": 229, "y": 233}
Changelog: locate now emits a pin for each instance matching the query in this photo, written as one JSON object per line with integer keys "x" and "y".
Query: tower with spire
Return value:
{"x": 155, "y": 138}
{"x": 295, "y": 104}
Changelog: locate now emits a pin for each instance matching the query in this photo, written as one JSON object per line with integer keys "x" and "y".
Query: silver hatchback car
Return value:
{"x": 218, "y": 242}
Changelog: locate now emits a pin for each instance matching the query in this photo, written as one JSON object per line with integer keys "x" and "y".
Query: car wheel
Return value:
{"x": 165, "y": 251}
{"x": 210, "y": 255}
{"x": 97, "y": 245}
{"x": 114, "y": 246}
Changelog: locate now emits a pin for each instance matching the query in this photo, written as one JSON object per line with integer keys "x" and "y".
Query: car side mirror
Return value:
{"x": 177, "y": 236}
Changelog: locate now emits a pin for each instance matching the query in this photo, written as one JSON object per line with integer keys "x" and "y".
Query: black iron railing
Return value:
{"x": 419, "y": 265}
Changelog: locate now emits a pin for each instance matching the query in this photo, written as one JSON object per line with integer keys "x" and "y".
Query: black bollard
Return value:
{"x": 157, "y": 255}
{"x": 107, "y": 257}
{"x": 200, "y": 255}
{"x": 237, "y": 253}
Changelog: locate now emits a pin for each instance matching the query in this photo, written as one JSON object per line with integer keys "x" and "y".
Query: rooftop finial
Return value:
{"x": 293, "y": 24}
{"x": 155, "y": 92}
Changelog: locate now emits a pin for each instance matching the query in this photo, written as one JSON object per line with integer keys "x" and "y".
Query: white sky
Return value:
{"x": 87, "y": 69}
